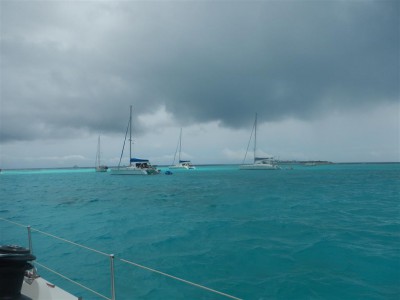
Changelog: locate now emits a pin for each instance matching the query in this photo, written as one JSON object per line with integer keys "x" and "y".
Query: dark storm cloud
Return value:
{"x": 71, "y": 67}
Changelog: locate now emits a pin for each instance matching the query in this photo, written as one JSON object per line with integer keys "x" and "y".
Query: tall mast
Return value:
{"x": 180, "y": 145}
{"x": 98, "y": 152}
{"x": 255, "y": 138}
{"x": 130, "y": 135}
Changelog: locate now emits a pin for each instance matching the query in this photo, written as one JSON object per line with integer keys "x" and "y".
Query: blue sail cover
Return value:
{"x": 184, "y": 161}
{"x": 139, "y": 160}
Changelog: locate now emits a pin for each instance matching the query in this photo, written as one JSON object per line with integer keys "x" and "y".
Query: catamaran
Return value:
{"x": 137, "y": 166}
{"x": 99, "y": 166}
{"x": 259, "y": 163}
{"x": 182, "y": 164}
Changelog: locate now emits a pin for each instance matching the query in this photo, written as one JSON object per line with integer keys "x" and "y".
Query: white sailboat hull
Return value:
{"x": 178, "y": 167}
{"x": 259, "y": 167}
{"x": 182, "y": 166}
{"x": 128, "y": 171}
{"x": 101, "y": 169}
{"x": 134, "y": 171}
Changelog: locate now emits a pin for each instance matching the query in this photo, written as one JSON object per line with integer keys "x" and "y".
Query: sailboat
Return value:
{"x": 99, "y": 166}
{"x": 259, "y": 163}
{"x": 137, "y": 166}
{"x": 182, "y": 164}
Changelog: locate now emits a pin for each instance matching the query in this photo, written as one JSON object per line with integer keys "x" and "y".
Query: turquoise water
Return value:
{"x": 324, "y": 232}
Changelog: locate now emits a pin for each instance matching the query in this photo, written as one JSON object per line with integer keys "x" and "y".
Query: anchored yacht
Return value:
{"x": 182, "y": 164}
{"x": 259, "y": 163}
{"x": 137, "y": 166}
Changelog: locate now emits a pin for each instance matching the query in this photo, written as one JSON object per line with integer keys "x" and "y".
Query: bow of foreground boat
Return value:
{"x": 19, "y": 279}
{"x": 39, "y": 288}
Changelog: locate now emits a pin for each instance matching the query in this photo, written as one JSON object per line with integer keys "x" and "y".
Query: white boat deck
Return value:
{"x": 41, "y": 289}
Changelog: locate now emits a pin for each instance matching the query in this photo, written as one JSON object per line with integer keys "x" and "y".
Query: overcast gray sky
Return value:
{"x": 323, "y": 77}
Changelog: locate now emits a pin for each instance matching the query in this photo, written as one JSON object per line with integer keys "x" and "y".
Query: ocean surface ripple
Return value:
{"x": 323, "y": 232}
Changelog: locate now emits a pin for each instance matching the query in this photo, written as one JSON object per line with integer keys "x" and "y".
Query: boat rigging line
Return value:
{"x": 111, "y": 257}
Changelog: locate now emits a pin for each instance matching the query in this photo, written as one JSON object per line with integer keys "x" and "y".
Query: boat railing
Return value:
{"x": 112, "y": 259}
